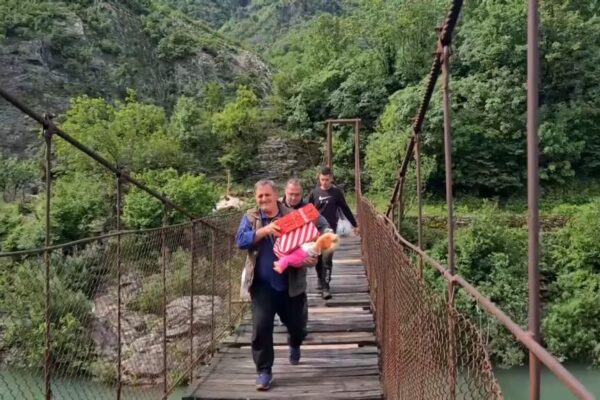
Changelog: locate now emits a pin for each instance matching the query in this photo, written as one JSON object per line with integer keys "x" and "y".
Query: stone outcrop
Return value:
{"x": 283, "y": 157}
{"x": 142, "y": 348}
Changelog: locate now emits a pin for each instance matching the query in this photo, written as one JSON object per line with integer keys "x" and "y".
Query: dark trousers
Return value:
{"x": 292, "y": 311}
{"x": 324, "y": 268}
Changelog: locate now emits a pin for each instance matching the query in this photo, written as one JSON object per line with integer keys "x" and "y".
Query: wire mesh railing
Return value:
{"x": 467, "y": 365}
{"x": 429, "y": 350}
{"x": 128, "y": 308}
{"x": 132, "y": 314}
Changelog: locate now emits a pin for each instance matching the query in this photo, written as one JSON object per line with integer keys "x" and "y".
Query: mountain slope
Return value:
{"x": 51, "y": 51}
{"x": 262, "y": 22}
{"x": 213, "y": 12}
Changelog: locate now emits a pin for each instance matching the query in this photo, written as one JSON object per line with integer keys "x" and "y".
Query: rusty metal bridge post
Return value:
{"x": 445, "y": 56}
{"x": 213, "y": 265}
{"x": 357, "y": 169}
{"x": 229, "y": 276}
{"x": 119, "y": 275}
{"x": 192, "y": 270}
{"x": 533, "y": 185}
{"x": 48, "y": 134}
{"x": 329, "y": 149}
{"x": 419, "y": 200}
{"x": 164, "y": 250}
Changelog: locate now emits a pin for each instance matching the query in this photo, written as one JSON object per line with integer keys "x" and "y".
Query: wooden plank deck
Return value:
{"x": 339, "y": 356}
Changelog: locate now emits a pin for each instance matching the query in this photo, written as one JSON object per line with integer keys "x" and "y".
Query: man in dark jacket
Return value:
{"x": 292, "y": 198}
{"x": 271, "y": 293}
{"x": 328, "y": 199}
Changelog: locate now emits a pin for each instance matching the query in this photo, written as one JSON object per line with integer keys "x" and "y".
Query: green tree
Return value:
{"x": 238, "y": 126}
{"x": 191, "y": 124}
{"x": 392, "y": 31}
{"x": 387, "y": 146}
{"x": 571, "y": 325}
{"x": 80, "y": 205}
{"x": 131, "y": 134}
{"x": 24, "y": 229}
{"x": 22, "y": 297}
{"x": 493, "y": 257}
{"x": 190, "y": 192}
{"x": 16, "y": 175}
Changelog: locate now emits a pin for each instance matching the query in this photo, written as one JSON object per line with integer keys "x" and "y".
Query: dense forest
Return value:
{"x": 203, "y": 83}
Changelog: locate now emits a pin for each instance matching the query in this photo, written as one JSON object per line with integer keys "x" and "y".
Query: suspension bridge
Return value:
{"x": 164, "y": 310}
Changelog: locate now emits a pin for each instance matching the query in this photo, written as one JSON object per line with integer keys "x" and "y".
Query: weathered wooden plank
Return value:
{"x": 276, "y": 393}
{"x": 293, "y": 386}
{"x": 322, "y": 338}
{"x": 314, "y": 328}
{"x": 370, "y": 368}
{"x": 337, "y": 302}
{"x": 333, "y": 317}
{"x": 309, "y": 351}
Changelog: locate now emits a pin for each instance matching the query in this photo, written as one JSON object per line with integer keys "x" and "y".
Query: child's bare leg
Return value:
{"x": 281, "y": 265}
{"x": 295, "y": 259}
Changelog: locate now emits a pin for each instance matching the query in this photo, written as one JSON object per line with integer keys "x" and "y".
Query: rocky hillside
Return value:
{"x": 257, "y": 22}
{"x": 262, "y": 22}
{"x": 51, "y": 51}
{"x": 213, "y": 12}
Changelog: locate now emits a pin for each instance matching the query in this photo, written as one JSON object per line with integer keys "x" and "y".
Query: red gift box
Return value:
{"x": 290, "y": 241}
{"x": 297, "y": 219}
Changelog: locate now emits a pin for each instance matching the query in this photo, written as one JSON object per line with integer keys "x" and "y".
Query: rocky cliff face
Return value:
{"x": 281, "y": 158}
{"x": 105, "y": 48}
{"x": 142, "y": 333}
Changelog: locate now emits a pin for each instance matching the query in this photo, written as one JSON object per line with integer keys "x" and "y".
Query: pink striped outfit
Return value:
{"x": 296, "y": 258}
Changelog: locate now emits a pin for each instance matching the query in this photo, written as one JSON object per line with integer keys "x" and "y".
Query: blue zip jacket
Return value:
{"x": 264, "y": 271}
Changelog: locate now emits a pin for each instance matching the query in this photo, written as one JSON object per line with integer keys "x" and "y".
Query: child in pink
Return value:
{"x": 324, "y": 243}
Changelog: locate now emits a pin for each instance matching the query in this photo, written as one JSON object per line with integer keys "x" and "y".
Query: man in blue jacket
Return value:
{"x": 271, "y": 293}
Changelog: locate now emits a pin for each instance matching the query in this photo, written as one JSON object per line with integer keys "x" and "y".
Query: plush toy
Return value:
{"x": 325, "y": 243}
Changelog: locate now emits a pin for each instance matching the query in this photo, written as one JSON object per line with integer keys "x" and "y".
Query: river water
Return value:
{"x": 27, "y": 386}
{"x": 514, "y": 383}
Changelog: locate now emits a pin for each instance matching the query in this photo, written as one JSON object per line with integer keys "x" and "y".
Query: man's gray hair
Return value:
{"x": 265, "y": 182}
{"x": 294, "y": 181}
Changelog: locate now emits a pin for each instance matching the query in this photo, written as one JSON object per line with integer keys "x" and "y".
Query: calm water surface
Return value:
{"x": 514, "y": 383}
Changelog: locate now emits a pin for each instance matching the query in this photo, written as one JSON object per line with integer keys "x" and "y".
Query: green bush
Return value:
{"x": 577, "y": 247}
{"x": 139, "y": 252}
{"x": 387, "y": 147}
{"x": 29, "y": 234}
{"x": 23, "y": 301}
{"x": 79, "y": 206}
{"x": 85, "y": 270}
{"x": 572, "y": 322}
{"x": 131, "y": 134}
{"x": 192, "y": 192}
{"x": 104, "y": 371}
{"x": 10, "y": 218}
{"x": 16, "y": 175}
{"x": 493, "y": 257}
{"x": 25, "y": 18}
{"x": 109, "y": 47}
{"x": 149, "y": 299}
{"x": 191, "y": 124}
{"x": 176, "y": 45}
{"x": 238, "y": 128}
